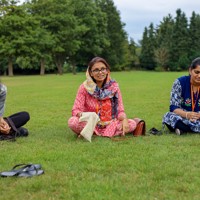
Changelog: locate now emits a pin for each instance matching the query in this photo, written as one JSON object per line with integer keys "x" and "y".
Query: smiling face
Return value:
{"x": 195, "y": 75}
{"x": 99, "y": 73}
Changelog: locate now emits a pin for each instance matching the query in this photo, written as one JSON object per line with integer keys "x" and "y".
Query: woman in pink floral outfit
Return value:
{"x": 101, "y": 95}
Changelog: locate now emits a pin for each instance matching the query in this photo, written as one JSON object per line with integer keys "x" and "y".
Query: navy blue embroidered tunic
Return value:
{"x": 181, "y": 98}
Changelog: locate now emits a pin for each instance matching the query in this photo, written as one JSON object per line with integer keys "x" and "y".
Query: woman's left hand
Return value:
{"x": 125, "y": 126}
{"x": 193, "y": 116}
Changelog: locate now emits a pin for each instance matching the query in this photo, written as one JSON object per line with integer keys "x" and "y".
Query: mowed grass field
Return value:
{"x": 146, "y": 168}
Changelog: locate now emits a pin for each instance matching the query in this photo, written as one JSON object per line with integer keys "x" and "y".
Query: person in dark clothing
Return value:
{"x": 184, "y": 114}
{"x": 14, "y": 122}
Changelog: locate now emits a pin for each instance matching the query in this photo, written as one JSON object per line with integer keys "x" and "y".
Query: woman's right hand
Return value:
{"x": 4, "y": 127}
{"x": 125, "y": 126}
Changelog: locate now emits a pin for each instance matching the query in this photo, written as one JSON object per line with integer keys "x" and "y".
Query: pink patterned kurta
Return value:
{"x": 84, "y": 102}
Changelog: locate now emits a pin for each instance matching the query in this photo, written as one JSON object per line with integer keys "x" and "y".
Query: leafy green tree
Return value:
{"x": 59, "y": 19}
{"x": 144, "y": 51}
{"x": 16, "y": 33}
{"x": 162, "y": 58}
{"x": 180, "y": 43}
{"x": 148, "y": 47}
{"x": 3, "y": 66}
{"x": 116, "y": 53}
{"x": 41, "y": 33}
{"x": 194, "y": 36}
{"x": 133, "y": 57}
{"x": 164, "y": 33}
{"x": 94, "y": 40}
{"x": 44, "y": 42}
{"x": 177, "y": 42}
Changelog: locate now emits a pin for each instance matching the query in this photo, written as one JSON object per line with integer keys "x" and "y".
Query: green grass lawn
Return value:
{"x": 146, "y": 168}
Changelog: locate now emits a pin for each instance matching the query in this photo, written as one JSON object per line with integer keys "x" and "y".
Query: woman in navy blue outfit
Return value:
{"x": 184, "y": 114}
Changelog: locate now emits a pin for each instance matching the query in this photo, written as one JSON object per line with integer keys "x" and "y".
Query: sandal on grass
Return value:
{"x": 30, "y": 173}
{"x": 154, "y": 131}
{"x": 21, "y": 168}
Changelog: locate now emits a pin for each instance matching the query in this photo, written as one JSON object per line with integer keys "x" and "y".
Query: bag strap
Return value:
{"x": 12, "y": 125}
{"x": 10, "y": 122}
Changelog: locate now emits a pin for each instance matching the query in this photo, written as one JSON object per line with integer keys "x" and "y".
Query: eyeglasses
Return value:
{"x": 96, "y": 71}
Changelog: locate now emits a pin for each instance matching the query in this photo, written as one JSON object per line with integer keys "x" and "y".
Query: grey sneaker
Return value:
{"x": 178, "y": 131}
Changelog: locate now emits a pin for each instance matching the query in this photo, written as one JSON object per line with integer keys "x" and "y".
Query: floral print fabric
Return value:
{"x": 180, "y": 98}
{"x": 106, "y": 102}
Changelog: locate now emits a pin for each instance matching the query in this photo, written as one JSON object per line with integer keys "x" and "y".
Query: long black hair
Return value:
{"x": 195, "y": 63}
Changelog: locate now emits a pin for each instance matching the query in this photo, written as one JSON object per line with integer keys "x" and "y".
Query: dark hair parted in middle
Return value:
{"x": 95, "y": 60}
{"x": 195, "y": 63}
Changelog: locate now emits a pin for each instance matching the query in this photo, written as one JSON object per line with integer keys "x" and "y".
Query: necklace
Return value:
{"x": 194, "y": 100}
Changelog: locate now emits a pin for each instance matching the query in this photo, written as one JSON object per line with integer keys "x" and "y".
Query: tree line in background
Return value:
{"x": 173, "y": 44}
{"x": 63, "y": 35}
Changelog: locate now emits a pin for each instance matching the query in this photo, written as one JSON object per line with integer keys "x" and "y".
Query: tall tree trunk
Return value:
{"x": 42, "y": 66}
{"x": 59, "y": 60}
{"x": 59, "y": 66}
{"x": 74, "y": 69}
{"x": 10, "y": 67}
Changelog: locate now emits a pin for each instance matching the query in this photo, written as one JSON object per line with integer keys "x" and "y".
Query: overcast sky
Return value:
{"x": 137, "y": 14}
